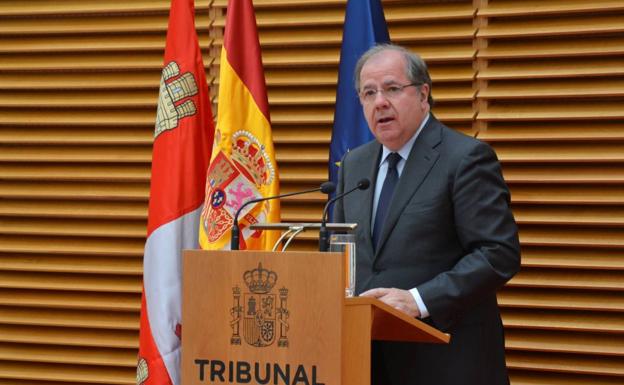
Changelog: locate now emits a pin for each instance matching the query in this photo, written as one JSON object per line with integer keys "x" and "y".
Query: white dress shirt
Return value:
{"x": 381, "y": 176}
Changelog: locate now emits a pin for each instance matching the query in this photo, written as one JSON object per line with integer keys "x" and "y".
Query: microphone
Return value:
{"x": 362, "y": 184}
{"x": 325, "y": 188}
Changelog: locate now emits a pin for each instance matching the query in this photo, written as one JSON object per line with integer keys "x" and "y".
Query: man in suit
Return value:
{"x": 436, "y": 237}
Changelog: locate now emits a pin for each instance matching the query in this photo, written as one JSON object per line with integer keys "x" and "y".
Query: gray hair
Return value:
{"x": 416, "y": 68}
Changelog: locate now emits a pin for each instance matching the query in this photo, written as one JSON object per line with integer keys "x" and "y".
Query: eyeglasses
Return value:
{"x": 392, "y": 91}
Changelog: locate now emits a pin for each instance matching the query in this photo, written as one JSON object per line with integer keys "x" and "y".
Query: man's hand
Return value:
{"x": 399, "y": 299}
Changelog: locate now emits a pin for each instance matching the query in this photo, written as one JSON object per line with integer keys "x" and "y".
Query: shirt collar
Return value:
{"x": 407, "y": 147}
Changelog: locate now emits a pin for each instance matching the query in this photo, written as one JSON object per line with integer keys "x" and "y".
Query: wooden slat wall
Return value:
{"x": 78, "y": 91}
{"x": 551, "y": 91}
{"x": 542, "y": 81}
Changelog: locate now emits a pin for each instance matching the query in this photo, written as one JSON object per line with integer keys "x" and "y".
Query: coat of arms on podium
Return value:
{"x": 263, "y": 314}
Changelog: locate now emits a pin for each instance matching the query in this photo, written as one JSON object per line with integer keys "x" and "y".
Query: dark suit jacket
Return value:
{"x": 451, "y": 234}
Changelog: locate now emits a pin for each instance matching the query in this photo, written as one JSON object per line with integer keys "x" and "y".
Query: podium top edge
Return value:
{"x": 436, "y": 334}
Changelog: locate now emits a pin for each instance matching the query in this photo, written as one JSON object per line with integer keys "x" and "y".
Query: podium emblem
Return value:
{"x": 263, "y": 314}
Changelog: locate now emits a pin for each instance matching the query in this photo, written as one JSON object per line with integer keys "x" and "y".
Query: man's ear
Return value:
{"x": 424, "y": 92}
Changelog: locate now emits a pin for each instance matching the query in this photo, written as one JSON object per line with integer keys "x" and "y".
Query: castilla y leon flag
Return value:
{"x": 243, "y": 163}
{"x": 182, "y": 147}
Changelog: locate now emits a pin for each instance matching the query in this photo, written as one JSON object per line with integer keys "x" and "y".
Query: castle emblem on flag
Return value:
{"x": 263, "y": 318}
{"x": 172, "y": 107}
{"x": 142, "y": 371}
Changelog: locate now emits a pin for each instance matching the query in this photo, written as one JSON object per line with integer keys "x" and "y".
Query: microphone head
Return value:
{"x": 363, "y": 184}
{"x": 328, "y": 187}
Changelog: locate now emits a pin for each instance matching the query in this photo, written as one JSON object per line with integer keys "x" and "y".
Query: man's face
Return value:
{"x": 392, "y": 119}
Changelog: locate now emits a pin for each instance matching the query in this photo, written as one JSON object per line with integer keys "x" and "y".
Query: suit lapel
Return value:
{"x": 421, "y": 158}
{"x": 364, "y": 207}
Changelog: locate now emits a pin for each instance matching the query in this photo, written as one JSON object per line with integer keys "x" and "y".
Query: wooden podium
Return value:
{"x": 256, "y": 317}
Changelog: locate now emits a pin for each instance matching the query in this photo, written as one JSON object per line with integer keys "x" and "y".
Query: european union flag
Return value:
{"x": 364, "y": 27}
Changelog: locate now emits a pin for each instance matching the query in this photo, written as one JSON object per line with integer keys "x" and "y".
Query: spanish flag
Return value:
{"x": 183, "y": 138}
{"x": 243, "y": 163}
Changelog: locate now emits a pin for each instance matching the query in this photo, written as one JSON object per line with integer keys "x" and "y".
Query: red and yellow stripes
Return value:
{"x": 243, "y": 165}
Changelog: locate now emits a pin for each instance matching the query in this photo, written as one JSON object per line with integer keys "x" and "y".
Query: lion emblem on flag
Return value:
{"x": 233, "y": 180}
